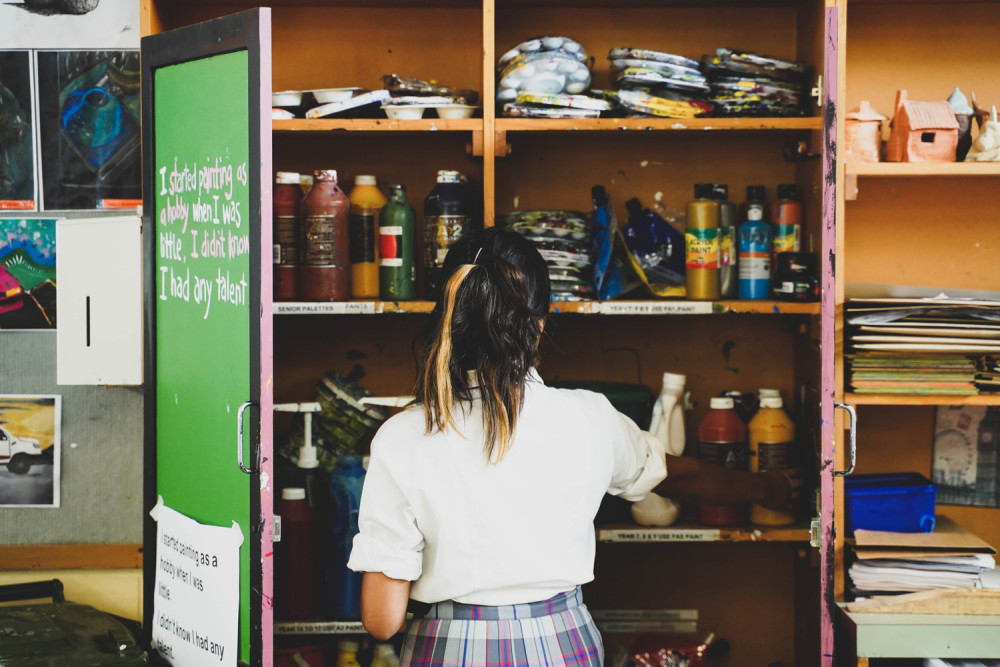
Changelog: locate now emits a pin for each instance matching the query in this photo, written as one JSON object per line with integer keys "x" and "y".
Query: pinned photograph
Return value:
{"x": 27, "y": 274}
{"x": 29, "y": 450}
{"x": 89, "y": 129}
{"x": 69, "y": 24}
{"x": 17, "y": 155}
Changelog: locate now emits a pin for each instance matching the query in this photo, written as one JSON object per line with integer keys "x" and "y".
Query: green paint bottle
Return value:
{"x": 397, "y": 270}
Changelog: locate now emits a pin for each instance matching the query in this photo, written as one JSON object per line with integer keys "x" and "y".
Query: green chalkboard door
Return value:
{"x": 206, "y": 205}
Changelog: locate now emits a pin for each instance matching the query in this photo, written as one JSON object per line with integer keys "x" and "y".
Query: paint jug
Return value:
{"x": 722, "y": 440}
{"x": 667, "y": 424}
{"x": 754, "y": 239}
{"x": 366, "y": 202}
{"x": 702, "y": 245}
{"x": 295, "y": 558}
{"x": 397, "y": 273}
{"x": 346, "y": 482}
{"x": 347, "y": 653}
{"x": 447, "y": 218}
{"x": 385, "y": 656}
{"x": 286, "y": 201}
{"x": 324, "y": 272}
{"x": 728, "y": 248}
{"x": 772, "y": 447}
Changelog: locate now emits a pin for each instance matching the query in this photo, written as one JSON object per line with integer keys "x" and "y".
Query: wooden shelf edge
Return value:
{"x": 626, "y": 533}
{"x": 940, "y": 399}
{"x": 921, "y": 169}
{"x": 71, "y": 557}
{"x": 319, "y": 627}
{"x": 377, "y": 125}
{"x": 651, "y": 307}
{"x": 654, "y": 124}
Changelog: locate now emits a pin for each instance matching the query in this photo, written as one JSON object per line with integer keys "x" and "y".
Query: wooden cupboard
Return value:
{"x": 765, "y": 590}
{"x": 923, "y": 225}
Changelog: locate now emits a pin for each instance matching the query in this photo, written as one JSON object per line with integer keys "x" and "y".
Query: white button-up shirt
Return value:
{"x": 435, "y": 512}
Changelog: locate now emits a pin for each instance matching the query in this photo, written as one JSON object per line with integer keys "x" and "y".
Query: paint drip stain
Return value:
{"x": 727, "y": 348}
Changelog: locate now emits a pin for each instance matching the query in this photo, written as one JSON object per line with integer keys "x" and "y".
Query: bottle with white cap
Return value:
{"x": 366, "y": 202}
{"x": 667, "y": 424}
{"x": 772, "y": 447}
{"x": 722, "y": 440}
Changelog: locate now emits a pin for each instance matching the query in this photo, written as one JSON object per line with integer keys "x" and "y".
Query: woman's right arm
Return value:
{"x": 383, "y": 604}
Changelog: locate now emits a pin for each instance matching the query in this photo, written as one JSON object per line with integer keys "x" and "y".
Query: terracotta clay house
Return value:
{"x": 922, "y": 132}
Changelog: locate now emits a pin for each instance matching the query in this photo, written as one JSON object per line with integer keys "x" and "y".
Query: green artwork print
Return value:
{"x": 202, "y": 293}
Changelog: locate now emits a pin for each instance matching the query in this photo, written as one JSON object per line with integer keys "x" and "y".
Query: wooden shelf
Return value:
{"x": 655, "y": 124}
{"x": 921, "y": 169}
{"x": 377, "y": 125}
{"x": 628, "y": 533}
{"x": 663, "y": 307}
{"x": 941, "y": 399}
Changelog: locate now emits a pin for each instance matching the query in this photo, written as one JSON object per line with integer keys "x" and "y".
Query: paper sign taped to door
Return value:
{"x": 196, "y": 603}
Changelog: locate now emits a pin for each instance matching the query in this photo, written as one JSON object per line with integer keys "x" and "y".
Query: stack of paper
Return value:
{"x": 890, "y": 563}
{"x": 933, "y": 345}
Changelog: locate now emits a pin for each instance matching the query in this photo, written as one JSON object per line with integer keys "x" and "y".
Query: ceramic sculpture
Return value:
{"x": 963, "y": 114}
{"x": 986, "y": 147}
{"x": 863, "y": 134}
{"x": 922, "y": 132}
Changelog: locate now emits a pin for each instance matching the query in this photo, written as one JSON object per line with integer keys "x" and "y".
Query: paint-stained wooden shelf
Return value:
{"x": 655, "y": 124}
{"x": 377, "y": 125}
{"x": 911, "y": 399}
{"x": 660, "y": 307}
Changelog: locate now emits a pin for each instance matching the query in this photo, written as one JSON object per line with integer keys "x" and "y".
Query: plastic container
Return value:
{"x": 728, "y": 247}
{"x": 896, "y": 502}
{"x": 658, "y": 247}
{"x": 667, "y": 423}
{"x": 756, "y": 196}
{"x": 397, "y": 270}
{"x": 324, "y": 272}
{"x": 286, "y": 201}
{"x": 366, "y": 202}
{"x": 346, "y": 482}
{"x": 722, "y": 440}
{"x": 347, "y": 653}
{"x": 754, "y": 240}
{"x": 702, "y": 245}
{"x": 384, "y": 656}
{"x": 772, "y": 447}
{"x": 447, "y": 218}
{"x": 295, "y": 558}
{"x": 795, "y": 277}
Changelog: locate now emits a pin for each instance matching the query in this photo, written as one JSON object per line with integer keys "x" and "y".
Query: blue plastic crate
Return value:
{"x": 897, "y": 502}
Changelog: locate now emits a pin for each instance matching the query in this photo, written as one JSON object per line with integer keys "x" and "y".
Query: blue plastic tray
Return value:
{"x": 897, "y": 502}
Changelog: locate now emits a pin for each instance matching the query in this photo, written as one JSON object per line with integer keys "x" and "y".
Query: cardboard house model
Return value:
{"x": 922, "y": 132}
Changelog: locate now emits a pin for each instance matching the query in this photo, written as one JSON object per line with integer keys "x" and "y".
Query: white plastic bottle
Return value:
{"x": 667, "y": 424}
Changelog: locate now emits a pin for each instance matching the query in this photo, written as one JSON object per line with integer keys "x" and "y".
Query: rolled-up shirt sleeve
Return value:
{"x": 640, "y": 460}
{"x": 388, "y": 540}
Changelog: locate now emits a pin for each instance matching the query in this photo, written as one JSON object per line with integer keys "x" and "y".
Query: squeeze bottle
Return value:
{"x": 346, "y": 482}
{"x": 366, "y": 202}
{"x": 702, "y": 245}
{"x": 756, "y": 196}
{"x": 324, "y": 273}
{"x": 786, "y": 216}
{"x": 385, "y": 656}
{"x": 667, "y": 424}
{"x": 722, "y": 440}
{"x": 347, "y": 654}
{"x": 286, "y": 201}
{"x": 728, "y": 250}
{"x": 447, "y": 218}
{"x": 295, "y": 590}
{"x": 754, "y": 237}
{"x": 772, "y": 447}
{"x": 397, "y": 271}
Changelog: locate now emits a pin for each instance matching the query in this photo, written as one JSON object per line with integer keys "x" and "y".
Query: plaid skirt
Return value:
{"x": 556, "y": 632}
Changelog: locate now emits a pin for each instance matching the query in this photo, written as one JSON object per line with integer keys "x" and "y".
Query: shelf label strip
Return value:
{"x": 332, "y": 308}
{"x": 659, "y": 535}
{"x": 656, "y": 308}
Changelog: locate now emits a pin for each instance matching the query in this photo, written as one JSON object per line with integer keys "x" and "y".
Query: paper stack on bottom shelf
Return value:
{"x": 887, "y": 563}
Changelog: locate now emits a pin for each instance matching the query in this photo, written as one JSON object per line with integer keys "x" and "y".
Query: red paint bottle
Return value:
{"x": 325, "y": 271}
{"x": 722, "y": 440}
{"x": 296, "y": 581}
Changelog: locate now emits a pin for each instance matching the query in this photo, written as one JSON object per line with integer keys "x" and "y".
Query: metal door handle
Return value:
{"x": 853, "y": 438}
{"x": 239, "y": 436}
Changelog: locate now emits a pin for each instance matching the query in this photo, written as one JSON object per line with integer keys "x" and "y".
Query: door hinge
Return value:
{"x": 276, "y": 529}
{"x": 817, "y": 91}
{"x": 815, "y": 536}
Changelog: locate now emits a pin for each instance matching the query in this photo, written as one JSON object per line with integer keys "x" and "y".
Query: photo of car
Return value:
{"x": 18, "y": 452}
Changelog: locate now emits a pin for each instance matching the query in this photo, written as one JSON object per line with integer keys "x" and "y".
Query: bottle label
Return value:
{"x": 787, "y": 238}
{"x": 727, "y": 249}
{"x": 440, "y": 233}
{"x": 286, "y": 240}
{"x": 319, "y": 246}
{"x": 774, "y": 455}
{"x": 390, "y": 246}
{"x": 702, "y": 248}
{"x": 361, "y": 227}
{"x": 754, "y": 266}
{"x": 733, "y": 455}
{"x": 276, "y": 254}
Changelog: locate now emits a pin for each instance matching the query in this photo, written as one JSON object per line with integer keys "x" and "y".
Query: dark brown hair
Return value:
{"x": 484, "y": 334}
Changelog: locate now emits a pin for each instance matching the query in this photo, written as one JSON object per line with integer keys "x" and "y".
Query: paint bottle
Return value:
{"x": 754, "y": 238}
{"x": 772, "y": 447}
{"x": 347, "y": 653}
{"x": 324, "y": 272}
{"x": 667, "y": 424}
{"x": 295, "y": 558}
{"x": 366, "y": 202}
{"x": 756, "y": 194}
{"x": 397, "y": 272}
{"x": 346, "y": 482}
{"x": 728, "y": 251}
{"x": 447, "y": 218}
{"x": 702, "y": 245}
{"x": 384, "y": 656}
{"x": 287, "y": 200}
{"x": 786, "y": 216}
{"x": 722, "y": 440}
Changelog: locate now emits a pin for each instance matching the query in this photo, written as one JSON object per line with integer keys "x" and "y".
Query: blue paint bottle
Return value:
{"x": 755, "y": 255}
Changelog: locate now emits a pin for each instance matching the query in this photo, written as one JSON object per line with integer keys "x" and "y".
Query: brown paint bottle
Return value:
{"x": 324, "y": 272}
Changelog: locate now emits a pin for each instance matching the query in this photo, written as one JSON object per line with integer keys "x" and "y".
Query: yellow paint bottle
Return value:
{"x": 772, "y": 447}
